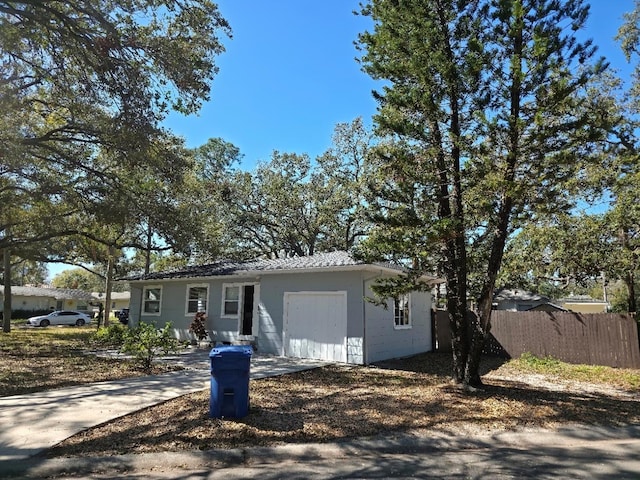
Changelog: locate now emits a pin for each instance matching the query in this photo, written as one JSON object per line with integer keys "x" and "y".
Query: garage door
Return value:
{"x": 315, "y": 325}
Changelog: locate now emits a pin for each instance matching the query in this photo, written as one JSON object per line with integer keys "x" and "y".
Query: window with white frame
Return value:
{"x": 401, "y": 317}
{"x": 230, "y": 300}
{"x": 151, "y": 298}
{"x": 197, "y": 296}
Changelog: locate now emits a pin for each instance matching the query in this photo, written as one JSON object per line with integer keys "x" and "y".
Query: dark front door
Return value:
{"x": 247, "y": 310}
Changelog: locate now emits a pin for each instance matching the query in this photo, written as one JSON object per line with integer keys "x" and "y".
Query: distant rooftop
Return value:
{"x": 57, "y": 293}
{"x": 518, "y": 294}
{"x": 580, "y": 299}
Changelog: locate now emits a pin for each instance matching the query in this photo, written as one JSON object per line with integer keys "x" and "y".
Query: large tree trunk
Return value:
{"x": 6, "y": 312}
{"x": 481, "y": 324}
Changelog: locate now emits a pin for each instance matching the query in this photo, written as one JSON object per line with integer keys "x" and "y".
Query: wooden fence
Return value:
{"x": 593, "y": 339}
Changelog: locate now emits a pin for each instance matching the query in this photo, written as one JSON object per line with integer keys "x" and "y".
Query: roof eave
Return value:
{"x": 259, "y": 273}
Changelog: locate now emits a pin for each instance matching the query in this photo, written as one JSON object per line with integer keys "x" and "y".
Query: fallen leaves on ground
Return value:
{"x": 340, "y": 402}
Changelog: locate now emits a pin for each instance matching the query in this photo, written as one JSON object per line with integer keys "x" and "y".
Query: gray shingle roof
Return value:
{"x": 57, "y": 293}
{"x": 327, "y": 260}
{"x": 518, "y": 295}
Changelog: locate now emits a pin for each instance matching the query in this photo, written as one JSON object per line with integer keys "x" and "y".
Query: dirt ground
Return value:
{"x": 340, "y": 401}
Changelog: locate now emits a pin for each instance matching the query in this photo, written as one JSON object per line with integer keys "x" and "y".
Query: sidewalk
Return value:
{"x": 34, "y": 422}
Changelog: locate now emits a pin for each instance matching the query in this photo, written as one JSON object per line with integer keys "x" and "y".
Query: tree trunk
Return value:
{"x": 631, "y": 287}
{"x": 108, "y": 286}
{"x": 147, "y": 253}
{"x": 6, "y": 312}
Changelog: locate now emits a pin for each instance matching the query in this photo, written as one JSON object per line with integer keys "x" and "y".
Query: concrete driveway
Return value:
{"x": 34, "y": 422}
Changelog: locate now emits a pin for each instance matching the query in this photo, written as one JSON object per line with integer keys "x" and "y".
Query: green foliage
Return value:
{"x": 146, "y": 342}
{"x": 287, "y": 206}
{"x": 28, "y": 272}
{"x": 83, "y": 90}
{"x": 529, "y": 363}
{"x": 480, "y": 106}
{"x": 112, "y": 336}
{"x": 78, "y": 278}
{"x": 546, "y": 364}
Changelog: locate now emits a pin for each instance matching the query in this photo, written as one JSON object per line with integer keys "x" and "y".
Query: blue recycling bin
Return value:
{"x": 230, "y": 366}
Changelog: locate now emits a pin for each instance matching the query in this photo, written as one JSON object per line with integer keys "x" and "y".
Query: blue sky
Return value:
{"x": 289, "y": 75}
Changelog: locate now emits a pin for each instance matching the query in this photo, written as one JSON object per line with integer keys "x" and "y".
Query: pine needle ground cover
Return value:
{"x": 340, "y": 402}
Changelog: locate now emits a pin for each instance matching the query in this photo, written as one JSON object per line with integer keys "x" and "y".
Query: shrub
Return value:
{"x": 146, "y": 342}
{"x": 199, "y": 326}
{"x": 111, "y": 336}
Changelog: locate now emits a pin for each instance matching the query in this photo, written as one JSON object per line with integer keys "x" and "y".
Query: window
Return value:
{"x": 197, "y": 296}
{"x": 151, "y": 297}
{"x": 401, "y": 316}
{"x": 230, "y": 300}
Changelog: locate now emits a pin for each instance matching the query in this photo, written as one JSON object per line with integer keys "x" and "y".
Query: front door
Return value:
{"x": 246, "y": 315}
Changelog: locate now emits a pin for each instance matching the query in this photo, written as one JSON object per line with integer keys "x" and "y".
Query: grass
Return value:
{"x": 337, "y": 402}
{"x": 624, "y": 378}
{"x": 326, "y": 404}
{"x": 34, "y": 359}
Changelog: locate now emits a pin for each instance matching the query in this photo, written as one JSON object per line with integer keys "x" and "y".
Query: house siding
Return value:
{"x": 273, "y": 288}
{"x": 377, "y": 340}
{"x": 383, "y": 341}
{"x": 19, "y": 302}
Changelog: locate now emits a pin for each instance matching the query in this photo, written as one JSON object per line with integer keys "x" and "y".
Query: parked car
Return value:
{"x": 61, "y": 317}
{"x": 123, "y": 316}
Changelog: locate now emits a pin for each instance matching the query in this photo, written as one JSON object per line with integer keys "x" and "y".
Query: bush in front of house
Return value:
{"x": 112, "y": 336}
{"x": 199, "y": 326}
{"x": 146, "y": 342}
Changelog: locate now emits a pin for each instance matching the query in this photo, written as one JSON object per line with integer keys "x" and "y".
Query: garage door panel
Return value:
{"x": 315, "y": 325}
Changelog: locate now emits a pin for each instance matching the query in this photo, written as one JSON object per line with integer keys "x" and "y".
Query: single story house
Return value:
{"x": 306, "y": 307}
{"x": 119, "y": 300}
{"x": 584, "y": 304}
{"x": 44, "y": 298}
{"x": 518, "y": 300}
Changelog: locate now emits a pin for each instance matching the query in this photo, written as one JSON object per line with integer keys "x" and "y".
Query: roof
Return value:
{"x": 505, "y": 294}
{"x": 57, "y": 293}
{"x": 330, "y": 261}
{"x": 549, "y": 305}
{"x": 114, "y": 295}
{"x": 581, "y": 299}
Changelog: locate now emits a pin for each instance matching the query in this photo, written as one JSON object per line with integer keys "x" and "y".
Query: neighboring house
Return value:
{"x": 517, "y": 300}
{"x": 44, "y": 298}
{"x": 584, "y": 304}
{"x": 547, "y": 307}
{"x": 119, "y": 300}
{"x": 307, "y": 307}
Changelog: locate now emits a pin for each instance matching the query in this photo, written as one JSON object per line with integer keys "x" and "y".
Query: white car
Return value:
{"x": 61, "y": 317}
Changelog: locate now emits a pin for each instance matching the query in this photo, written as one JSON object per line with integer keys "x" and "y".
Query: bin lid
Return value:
{"x": 231, "y": 351}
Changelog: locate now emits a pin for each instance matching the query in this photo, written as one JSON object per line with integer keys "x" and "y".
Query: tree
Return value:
{"x": 29, "y": 272}
{"x": 84, "y": 83}
{"x": 566, "y": 252}
{"x": 78, "y": 278}
{"x": 291, "y": 206}
{"x": 480, "y": 98}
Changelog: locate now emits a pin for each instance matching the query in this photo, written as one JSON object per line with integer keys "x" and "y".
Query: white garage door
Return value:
{"x": 315, "y": 325}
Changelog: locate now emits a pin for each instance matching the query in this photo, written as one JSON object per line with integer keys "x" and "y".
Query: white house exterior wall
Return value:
{"x": 19, "y": 302}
